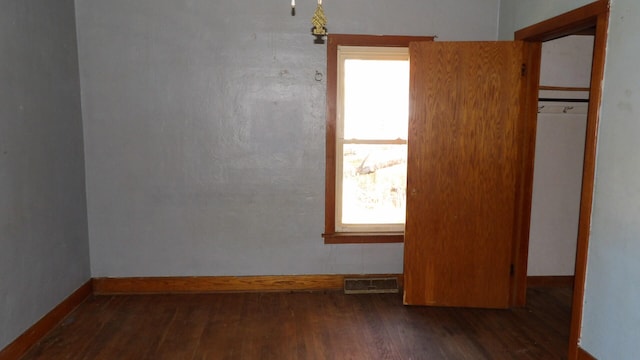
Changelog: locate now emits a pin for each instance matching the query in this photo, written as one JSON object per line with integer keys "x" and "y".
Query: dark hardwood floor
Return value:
{"x": 321, "y": 325}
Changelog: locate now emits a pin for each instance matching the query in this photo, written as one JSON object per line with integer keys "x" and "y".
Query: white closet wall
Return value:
{"x": 559, "y": 155}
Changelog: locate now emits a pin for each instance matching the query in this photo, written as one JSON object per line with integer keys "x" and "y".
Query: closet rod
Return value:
{"x": 563, "y": 88}
{"x": 564, "y": 100}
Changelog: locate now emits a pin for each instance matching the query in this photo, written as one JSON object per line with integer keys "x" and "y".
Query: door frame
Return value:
{"x": 596, "y": 15}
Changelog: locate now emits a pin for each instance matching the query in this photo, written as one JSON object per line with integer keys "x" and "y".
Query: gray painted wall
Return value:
{"x": 44, "y": 252}
{"x": 611, "y": 318}
{"x": 205, "y": 127}
{"x": 610, "y": 315}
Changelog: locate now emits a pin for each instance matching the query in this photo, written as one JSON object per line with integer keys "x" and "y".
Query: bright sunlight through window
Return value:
{"x": 372, "y": 127}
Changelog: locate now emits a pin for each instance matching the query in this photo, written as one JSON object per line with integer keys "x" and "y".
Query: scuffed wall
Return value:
{"x": 204, "y": 131}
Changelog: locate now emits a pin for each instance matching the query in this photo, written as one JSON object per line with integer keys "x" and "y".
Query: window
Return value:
{"x": 367, "y": 122}
{"x": 371, "y": 137}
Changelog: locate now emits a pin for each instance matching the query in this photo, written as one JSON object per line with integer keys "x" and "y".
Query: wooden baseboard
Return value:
{"x": 212, "y": 284}
{"x": 584, "y": 355}
{"x": 208, "y": 284}
{"x": 36, "y": 332}
{"x": 550, "y": 281}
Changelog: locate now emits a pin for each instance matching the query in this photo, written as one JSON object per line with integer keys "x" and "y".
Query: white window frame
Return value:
{"x": 360, "y": 53}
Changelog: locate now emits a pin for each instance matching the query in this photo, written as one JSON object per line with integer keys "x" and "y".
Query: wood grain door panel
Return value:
{"x": 462, "y": 172}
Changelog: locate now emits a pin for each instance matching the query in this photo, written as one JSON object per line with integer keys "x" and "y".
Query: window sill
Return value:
{"x": 363, "y": 238}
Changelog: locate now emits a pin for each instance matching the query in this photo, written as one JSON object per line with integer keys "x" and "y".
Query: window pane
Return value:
{"x": 374, "y": 184}
{"x": 376, "y": 99}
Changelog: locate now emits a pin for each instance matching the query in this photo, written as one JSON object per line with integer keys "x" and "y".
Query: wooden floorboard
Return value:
{"x": 300, "y": 325}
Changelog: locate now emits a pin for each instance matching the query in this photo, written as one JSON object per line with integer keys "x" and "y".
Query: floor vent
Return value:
{"x": 370, "y": 285}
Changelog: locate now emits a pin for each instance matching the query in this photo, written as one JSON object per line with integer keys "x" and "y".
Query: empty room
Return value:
{"x": 411, "y": 179}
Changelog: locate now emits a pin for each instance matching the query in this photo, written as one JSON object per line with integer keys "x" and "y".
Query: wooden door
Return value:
{"x": 462, "y": 172}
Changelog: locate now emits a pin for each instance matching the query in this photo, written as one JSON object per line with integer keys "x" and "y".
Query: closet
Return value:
{"x": 560, "y": 138}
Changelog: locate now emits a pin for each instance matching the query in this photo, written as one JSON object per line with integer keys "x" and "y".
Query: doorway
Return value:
{"x": 563, "y": 102}
{"x": 592, "y": 18}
